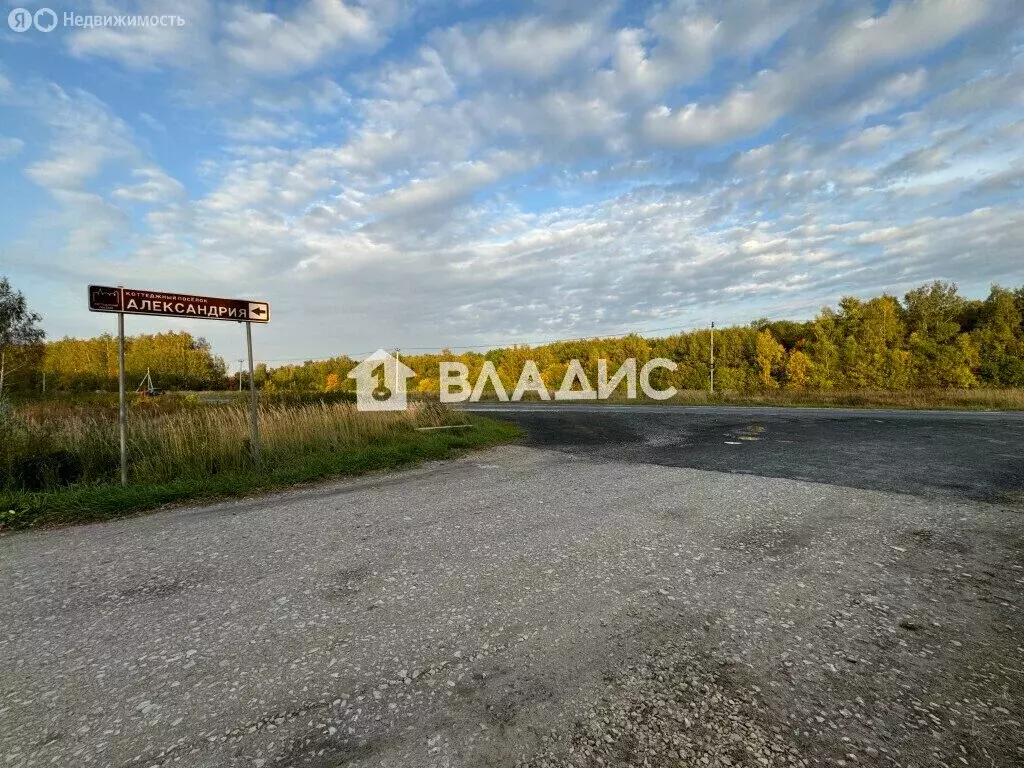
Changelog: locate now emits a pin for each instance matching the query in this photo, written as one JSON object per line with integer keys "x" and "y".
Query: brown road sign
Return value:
{"x": 104, "y": 298}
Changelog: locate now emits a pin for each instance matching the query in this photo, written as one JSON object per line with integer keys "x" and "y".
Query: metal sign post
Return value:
{"x": 122, "y": 409}
{"x": 254, "y": 418}
{"x": 128, "y": 301}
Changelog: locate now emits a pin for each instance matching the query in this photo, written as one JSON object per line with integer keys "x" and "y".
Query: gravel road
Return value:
{"x": 569, "y": 601}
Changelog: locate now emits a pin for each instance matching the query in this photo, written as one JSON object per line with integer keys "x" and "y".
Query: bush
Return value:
{"x": 50, "y": 470}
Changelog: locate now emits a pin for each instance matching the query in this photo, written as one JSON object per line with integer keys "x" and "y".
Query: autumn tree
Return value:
{"x": 176, "y": 360}
{"x": 932, "y": 338}
{"x": 19, "y": 329}
{"x": 823, "y": 349}
{"x": 769, "y": 353}
{"x": 941, "y": 355}
{"x": 798, "y": 369}
{"x": 871, "y": 352}
{"x": 788, "y": 333}
{"x": 999, "y": 337}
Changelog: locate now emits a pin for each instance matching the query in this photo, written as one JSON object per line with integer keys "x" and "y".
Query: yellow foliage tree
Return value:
{"x": 798, "y": 368}
{"x": 332, "y": 383}
{"x": 769, "y": 353}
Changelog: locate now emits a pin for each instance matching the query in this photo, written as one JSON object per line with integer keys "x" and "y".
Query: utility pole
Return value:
{"x": 712, "y": 357}
{"x": 240, "y": 374}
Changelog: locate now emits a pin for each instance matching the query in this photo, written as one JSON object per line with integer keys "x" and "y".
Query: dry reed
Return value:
{"x": 81, "y": 445}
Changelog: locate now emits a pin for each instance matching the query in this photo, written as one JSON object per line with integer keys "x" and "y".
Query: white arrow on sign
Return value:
{"x": 259, "y": 311}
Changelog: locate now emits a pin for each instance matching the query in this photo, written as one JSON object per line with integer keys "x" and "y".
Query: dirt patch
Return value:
{"x": 675, "y": 706}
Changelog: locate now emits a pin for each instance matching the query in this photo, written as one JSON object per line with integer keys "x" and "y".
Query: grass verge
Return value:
{"x": 936, "y": 399}
{"x": 924, "y": 399}
{"x": 20, "y": 510}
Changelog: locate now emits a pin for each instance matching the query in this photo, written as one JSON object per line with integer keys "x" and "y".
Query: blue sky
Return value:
{"x": 405, "y": 174}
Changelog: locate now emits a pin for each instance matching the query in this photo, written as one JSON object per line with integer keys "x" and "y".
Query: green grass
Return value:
{"x": 937, "y": 399}
{"x": 51, "y": 445}
{"x": 21, "y": 510}
{"x": 981, "y": 399}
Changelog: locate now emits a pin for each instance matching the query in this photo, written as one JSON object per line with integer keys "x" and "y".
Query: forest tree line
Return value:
{"x": 933, "y": 339}
{"x": 176, "y": 360}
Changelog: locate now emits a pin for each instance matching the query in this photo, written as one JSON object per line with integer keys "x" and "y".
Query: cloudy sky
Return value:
{"x": 393, "y": 173}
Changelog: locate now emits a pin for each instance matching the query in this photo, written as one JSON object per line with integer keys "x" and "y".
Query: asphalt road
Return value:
{"x": 635, "y": 586}
{"x": 957, "y": 454}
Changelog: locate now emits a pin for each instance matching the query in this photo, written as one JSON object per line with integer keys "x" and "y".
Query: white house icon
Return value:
{"x": 370, "y": 395}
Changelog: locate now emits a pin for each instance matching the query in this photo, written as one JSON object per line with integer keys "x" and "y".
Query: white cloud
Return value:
{"x": 151, "y": 122}
{"x": 907, "y": 28}
{"x": 86, "y": 136}
{"x": 888, "y": 94}
{"x": 86, "y": 141}
{"x": 425, "y": 82}
{"x": 743, "y": 112}
{"x": 10, "y": 147}
{"x": 533, "y": 47}
{"x": 326, "y": 96}
{"x": 447, "y": 189}
{"x": 148, "y": 46}
{"x": 155, "y": 187}
{"x": 92, "y": 223}
{"x": 512, "y": 178}
{"x": 227, "y": 42}
{"x": 260, "y": 128}
{"x": 264, "y": 42}
{"x": 681, "y": 42}
{"x": 1005, "y": 88}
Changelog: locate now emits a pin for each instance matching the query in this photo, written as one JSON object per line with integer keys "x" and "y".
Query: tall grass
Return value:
{"x": 43, "y": 447}
{"x": 59, "y": 464}
{"x": 207, "y": 441}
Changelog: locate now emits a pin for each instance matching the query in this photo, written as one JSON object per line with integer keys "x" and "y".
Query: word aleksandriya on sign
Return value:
{"x": 103, "y": 298}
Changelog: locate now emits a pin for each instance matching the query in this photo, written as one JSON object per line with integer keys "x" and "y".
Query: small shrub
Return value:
{"x": 51, "y": 470}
